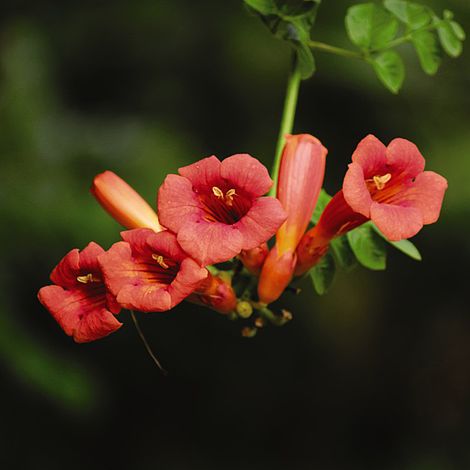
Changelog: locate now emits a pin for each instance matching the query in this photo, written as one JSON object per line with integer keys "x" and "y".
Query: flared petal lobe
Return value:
{"x": 79, "y": 300}
{"x": 123, "y": 203}
{"x": 149, "y": 271}
{"x": 216, "y": 210}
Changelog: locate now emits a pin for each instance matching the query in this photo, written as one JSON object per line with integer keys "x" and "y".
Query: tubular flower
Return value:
{"x": 217, "y": 293}
{"x": 387, "y": 185}
{"x": 149, "y": 271}
{"x": 79, "y": 301}
{"x": 123, "y": 203}
{"x": 300, "y": 180}
{"x": 216, "y": 208}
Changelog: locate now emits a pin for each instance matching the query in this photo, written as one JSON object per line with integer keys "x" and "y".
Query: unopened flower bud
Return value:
{"x": 244, "y": 309}
{"x": 123, "y": 203}
{"x": 253, "y": 259}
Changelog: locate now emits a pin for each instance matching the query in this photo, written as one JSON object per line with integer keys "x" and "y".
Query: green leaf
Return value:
{"x": 323, "y": 199}
{"x": 265, "y": 7}
{"x": 323, "y": 273}
{"x": 458, "y": 30}
{"x": 291, "y": 21}
{"x": 368, "y": 247}
{"x": 405, "y": 246}
{"x": 449, "y": 40}
{"x": 428, "y": 49}
{"x": 305, "y": 60}
{"x": 390, "y": 70}
{"x": 343, "y": 253}
{"x": 298, "y": 8}
{"x": 414, "y": 15}
{"x": 370, "y": 26}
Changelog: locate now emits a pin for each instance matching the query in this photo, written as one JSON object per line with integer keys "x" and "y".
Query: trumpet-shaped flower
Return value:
{"x": 149, "y": 271}
{"x": 300, "y": 180}
{"x": 389, "y": 186}
{"x": 123, "y": 203}
{"x": 79, "y": 300}
{"x": 216, "y": 208}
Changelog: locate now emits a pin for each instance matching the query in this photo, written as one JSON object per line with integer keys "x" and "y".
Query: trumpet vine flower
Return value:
{"x": 79, "y": 300}
{"x": 387, "y": 185}
{"x": 149, "y": 271}
{"x": 216, "y": 209}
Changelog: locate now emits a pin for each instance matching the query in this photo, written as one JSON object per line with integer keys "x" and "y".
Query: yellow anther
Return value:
{"x": 217, "y": 192}
{"x": 87, "y": 278}
{"x": 229, "y": 196}
{"x": 159, "y": 259}
{"x": 380, "y": 181}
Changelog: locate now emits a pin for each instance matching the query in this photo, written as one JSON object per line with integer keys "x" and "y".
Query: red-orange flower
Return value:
{"x": 123, "y": 203}
{"x": 149, "y": 271}
{"x": 216, "y": 208}
{"x": 387, "y": 185}
{"x": 79, "y": 301}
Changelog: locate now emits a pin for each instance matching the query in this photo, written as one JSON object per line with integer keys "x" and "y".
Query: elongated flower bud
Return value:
{"x": 253, "y": 259}
{"x": 300, "y": 180}
{"x": 217, "y": 293}
{"x": 301, "y": 177}
{"x": 123, "y": 203}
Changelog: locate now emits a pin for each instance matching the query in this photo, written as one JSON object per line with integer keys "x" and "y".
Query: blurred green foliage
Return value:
{"x": 372, "y": 375}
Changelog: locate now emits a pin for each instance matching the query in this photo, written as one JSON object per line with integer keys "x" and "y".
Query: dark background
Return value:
{"x": 375, "y": 375}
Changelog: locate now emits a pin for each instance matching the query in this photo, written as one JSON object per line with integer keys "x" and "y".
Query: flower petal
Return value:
{"x": 187, "y": 280}
{"x": 138, "y": 238}
{"x": 177, "y": 202}
{"x": 370, "y": 154}
{"x": 396, "y": 222}
{"x": 205, "y": 172}
{"x": 210, "y": 242}
{"x": 355, "y": 190}
{"x": 164, "y": 243}
{"x": 89, "y": 258}
{"x": 145, "y": 298}
{"x": 404, "y": 158}
{"x": 247, "y": 173}
{"x": 78, "y": 314}
{"x": 426, "y": 194}
{"x": 261, "y": 222}
{"x": 66, "y": 272}
{"x": 97, "y": 324}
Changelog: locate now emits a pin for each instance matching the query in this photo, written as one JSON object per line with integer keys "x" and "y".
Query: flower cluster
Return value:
{"x": 215, "y": 212}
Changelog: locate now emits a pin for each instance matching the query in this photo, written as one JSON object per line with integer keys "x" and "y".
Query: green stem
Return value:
{"x": 287, "y": 121}
{"x": 322, "y": 46}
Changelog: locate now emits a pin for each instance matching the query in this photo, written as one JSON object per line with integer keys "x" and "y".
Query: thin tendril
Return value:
{"x": 146, "y": 344}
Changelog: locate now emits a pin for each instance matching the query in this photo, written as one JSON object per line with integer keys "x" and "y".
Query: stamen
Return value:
{"x": 217, "y": 192}
{"x": 88, "y": 278}
{"x": 229, "y": 197}
{"x": 160, "y": 261}
{"x": 380, "y": 181}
